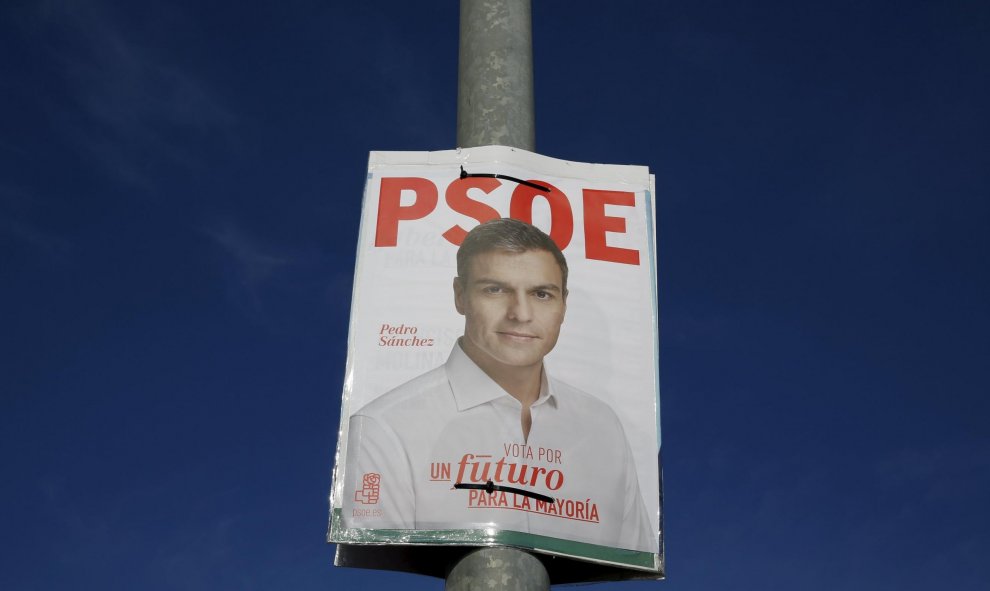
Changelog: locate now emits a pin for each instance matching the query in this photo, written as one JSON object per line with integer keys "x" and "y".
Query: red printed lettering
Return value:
{"x": 561, "y": 216}
{"x": 596, "y": 224}
{"x": 425, "y": 197}
{"x": 458, "y": 200}
{"x": 391, "y": 210}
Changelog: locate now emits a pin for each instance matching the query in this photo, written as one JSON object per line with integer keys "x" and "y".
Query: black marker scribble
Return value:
{"x": 490, "y": 487}
{"x": 493, "y": 175}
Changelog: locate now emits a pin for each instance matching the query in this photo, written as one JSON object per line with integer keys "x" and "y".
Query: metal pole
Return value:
{"x": 495, "y": 75}
{"x": 498, "y": 569}
{"x": 495, "y": 106}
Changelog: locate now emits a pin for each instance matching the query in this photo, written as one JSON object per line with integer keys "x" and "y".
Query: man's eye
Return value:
{"x": 543, "y": 295}
{"x": 492, "y": 289}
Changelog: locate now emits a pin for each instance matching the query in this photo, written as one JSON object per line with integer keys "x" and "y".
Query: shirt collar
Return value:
{"x": 472, "y": 386}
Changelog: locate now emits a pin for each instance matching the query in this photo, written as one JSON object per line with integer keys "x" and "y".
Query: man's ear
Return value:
{"x": 459, "y": 295}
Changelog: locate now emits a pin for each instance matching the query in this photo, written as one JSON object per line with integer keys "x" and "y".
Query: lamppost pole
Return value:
{"x": 495, "y": 75}
{"x": 495, "y": 106}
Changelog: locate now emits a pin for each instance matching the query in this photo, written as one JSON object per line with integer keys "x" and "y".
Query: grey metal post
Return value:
{"x": 498, "y": 569}
{"x": 495, "y": 106}
{"x": 495, "y": 74}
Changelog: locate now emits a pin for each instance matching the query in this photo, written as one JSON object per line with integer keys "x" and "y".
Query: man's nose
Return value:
{"x": 520, "y": 308}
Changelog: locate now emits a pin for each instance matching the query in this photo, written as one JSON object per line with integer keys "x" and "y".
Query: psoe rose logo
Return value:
{"x": 370, "y": 489}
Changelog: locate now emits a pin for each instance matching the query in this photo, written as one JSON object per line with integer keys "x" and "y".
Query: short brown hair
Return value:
{"x": 509, "y": 235}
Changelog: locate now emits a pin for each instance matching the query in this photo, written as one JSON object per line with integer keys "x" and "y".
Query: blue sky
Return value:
{"x": 179, "y": 198}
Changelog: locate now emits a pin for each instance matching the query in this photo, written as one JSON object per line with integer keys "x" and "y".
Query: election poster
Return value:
{"x": 502, "y": 382}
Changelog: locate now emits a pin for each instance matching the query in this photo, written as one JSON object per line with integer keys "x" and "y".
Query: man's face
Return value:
{"x": 513, "y": 305}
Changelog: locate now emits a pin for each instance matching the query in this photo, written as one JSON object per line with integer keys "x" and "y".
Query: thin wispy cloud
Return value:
{"x": 16, "y": 223}
{"x": 194, "y": 554}
{"x": 941, "y": 473}
{"x": 250, "y": 265}
{"x": 408, "y": 77}
{"x": 274, "y": 280}
{"x": 129, "y": 107}
{"x": 254, "y": 263}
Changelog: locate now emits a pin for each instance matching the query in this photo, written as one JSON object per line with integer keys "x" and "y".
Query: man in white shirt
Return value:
{"x": 489, "y": 440}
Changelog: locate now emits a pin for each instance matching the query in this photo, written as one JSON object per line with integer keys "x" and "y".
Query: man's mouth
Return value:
{"x": 520, "y": 336}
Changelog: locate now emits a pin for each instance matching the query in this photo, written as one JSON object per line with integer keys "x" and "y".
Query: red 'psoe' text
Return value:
{"x": 391, "y": 212}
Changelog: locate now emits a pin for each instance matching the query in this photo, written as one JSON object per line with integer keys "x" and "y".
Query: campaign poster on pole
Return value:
{"x": 502, "y": 381}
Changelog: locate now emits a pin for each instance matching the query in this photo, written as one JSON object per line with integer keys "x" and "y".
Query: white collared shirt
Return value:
{"x": 407, "y": 449}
